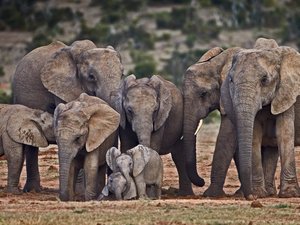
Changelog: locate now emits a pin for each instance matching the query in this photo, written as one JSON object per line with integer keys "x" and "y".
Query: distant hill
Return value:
{"x": 162, "y": 37}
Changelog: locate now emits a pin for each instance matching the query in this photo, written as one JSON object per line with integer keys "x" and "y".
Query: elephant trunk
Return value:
{"x": 189, "y": 141}
{"x": 143, "y": 130}
{"x": 65, "y": 194}
{"x": 245, "y": 112}
{"x": 118, "y": 193}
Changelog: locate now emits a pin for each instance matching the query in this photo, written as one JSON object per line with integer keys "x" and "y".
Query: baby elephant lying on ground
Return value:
{"x": 144, "y": 164}
{"x": 117, "y": 185}
{"x": 21, "y": 126}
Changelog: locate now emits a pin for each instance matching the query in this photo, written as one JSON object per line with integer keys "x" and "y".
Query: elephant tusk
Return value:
{"x": 199, "y": 127}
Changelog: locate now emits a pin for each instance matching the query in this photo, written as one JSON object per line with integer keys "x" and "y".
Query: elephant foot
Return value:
{"x": 260, "y": 192}
{"x": 32, "y": 186}
{"x": 214, "y": 192}
{"x": 271, "y": 191}
{"x": 185, "y": 191}
{"x": 239, "y": 193}
{"x": 289, "y": 191}
{"x": 250, "y": 197}
{"x": 13, "y": 190}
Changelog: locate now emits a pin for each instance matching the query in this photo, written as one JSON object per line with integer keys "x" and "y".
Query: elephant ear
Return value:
{"x": 59, "y": 75}
{"x": 127, "y": 82}
{"x": 103, "y": 121}
{"x": 226, "y": 106}
{"x": 111, "y": 156}
{"x": 164, "y": 99}
{"x": 289, "y": 86}
{"x": 23, "y": 128}
{"x": 141, "y": 156}
{"x": 210, "y": 54}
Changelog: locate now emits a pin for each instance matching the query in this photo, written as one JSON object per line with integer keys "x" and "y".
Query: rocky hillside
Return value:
{"x": 153, "y": 36}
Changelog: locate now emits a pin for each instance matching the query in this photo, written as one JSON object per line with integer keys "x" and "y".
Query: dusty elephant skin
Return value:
{"x": 85, "y": 129}
{"x": 118, "y": 185}
{"x": 58, "y": 73}
{"x": 144, "y": 164}
{"x": 21, "y": 126}
{"x": 202, "y": 83}
{"x": 259, "y": 78}
{"x": 151, "y": 115}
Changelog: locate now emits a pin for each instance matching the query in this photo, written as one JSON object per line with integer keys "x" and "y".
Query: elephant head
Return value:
{"x": 117, "y": 184}
{"x": 34, "y": 127}
{"x": 145, "y": 104}
{"x": 258, "y": 78}
{"x": 82, "y": 67}
{"x": 81, "y": 125}
{"x": 201, "y": 93}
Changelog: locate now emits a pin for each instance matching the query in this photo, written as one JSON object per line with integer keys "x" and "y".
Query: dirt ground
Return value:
{"x": 48, "y": 200}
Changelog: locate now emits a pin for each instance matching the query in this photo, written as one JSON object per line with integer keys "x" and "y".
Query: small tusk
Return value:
{"x": 199, "y": 126}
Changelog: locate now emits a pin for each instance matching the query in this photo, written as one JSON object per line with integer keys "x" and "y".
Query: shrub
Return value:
{"x": 144, "y": 64}
{"x": 38, "y": 40}
{"x": 5, "y": 98}
{"x": 142, "y": 39}
{"x": 2, "y": 73}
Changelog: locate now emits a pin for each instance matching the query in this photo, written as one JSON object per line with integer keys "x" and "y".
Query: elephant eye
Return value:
{"x": 202, "y": 94}
{"x": 91, "y": 77}
{"x": 129, "y": 110}
{"x": 230, "y": 79}
{"x": 264, "y": 80}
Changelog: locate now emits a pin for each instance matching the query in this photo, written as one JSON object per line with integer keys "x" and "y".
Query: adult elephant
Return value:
{"x": 201, "y": 89}
{"x": 152, "y": 115}
{"x": 259, "y": 82}
{"x": 201, "y": 93}
{"x": 85, "y": 129}
{"x": 58, "y": 73}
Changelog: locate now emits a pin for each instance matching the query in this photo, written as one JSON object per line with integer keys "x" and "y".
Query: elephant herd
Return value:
{"x": 78, "y": 98}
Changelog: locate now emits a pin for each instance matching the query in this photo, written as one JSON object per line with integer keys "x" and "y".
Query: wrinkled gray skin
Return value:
{"x": 117, "y": 185}
{"x": 201, "y": 93}
{"x": 85, "y": 129}
{"x": 201, "y": 88}
{"x": 265, "y": 81}
{"x": 58, "y": 73}
{"x": 22, "y": 126}
{"x": 152, "y": 115}
{"x": 144, "y": 164}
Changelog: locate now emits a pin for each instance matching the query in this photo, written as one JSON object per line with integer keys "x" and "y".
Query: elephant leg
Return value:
{"x": 269, "y": 160}
{"x": 15, "y": 159}
{"x": 32, "y": 169}
{"x": 223, "y": 154}
{"x": 285, "y": 138}
{"x": 185, "y": 185}
{"x": 258, "y": 180}
{"x": 91, "y": 173}
{"x": 140, "y": 185}
{"x": 101, "y": 177}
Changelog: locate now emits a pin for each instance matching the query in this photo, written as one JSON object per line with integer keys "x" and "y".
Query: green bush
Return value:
{"x": 142, "y": 39}
{"x": 5, "y": 98}
{"x": 38, "y": 40}
{"x": 2, "y": 73}
{"x": 145, "y": 65}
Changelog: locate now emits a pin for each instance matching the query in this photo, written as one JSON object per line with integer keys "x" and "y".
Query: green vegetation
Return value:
{"x": 5, "y": 98}
{"x": 1, "y": 71}
{"x": 144, "y": 64}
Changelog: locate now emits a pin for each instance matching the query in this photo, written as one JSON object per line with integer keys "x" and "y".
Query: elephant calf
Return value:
{"x": 118, "y": 186}
{"x": 85, "y": 129}
{"x": 144, "y": 164}
{"x": 21, "y": 126}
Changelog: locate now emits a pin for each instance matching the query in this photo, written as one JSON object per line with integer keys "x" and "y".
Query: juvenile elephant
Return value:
{"x": 152, "y": 115}
{"x": 261, "y": 93}
{"x": 143, "y": 163}
{"x": 117, "y": 184}
{"x": 201, "y": 91}
{"x": 22, "y": 126}
{"x": 57, "y": 73}
{"x": 85, "y": 129}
